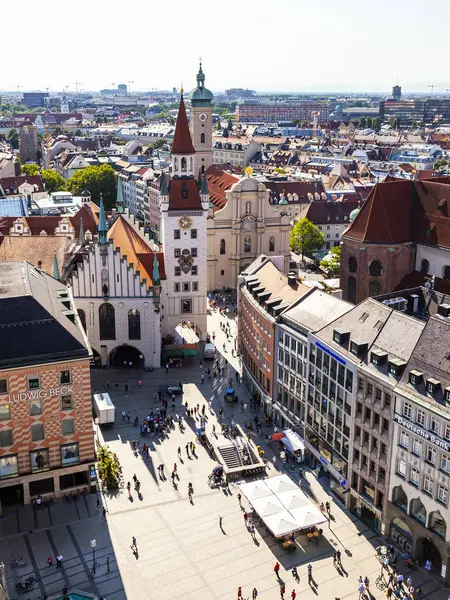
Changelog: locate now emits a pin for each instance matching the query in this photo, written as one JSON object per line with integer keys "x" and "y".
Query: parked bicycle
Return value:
{"x": 19, "y": 562}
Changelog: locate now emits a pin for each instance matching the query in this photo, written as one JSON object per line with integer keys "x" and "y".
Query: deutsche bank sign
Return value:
{"x": 430, "y": 437}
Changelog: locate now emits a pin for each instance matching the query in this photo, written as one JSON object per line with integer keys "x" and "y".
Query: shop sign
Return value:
{"x": 443, "y": 570}
{"x": 36, "y": 394}
{"x": 366, "y": 504}
{"x": 423, "y": 433}
{"x": 330, "y": 353}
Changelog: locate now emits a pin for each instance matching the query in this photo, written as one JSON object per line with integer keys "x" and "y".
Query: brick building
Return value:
{"x": 46, "y": 432}
{"x": 280, "y": 111}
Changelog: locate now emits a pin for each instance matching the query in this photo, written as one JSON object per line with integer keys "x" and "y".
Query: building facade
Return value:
{"x": 201, "y": 124}
{"x": 46, "y": 430}
{"x": 280, "y": 111}
{"x": 28, "y": 142}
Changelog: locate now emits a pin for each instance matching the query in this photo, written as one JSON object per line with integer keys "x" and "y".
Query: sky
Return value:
{"x": 278, "y": 45}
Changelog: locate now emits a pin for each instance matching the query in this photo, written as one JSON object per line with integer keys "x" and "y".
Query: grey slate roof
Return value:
{"x": 34, "y": 326}
{"x": 314, "y": 311}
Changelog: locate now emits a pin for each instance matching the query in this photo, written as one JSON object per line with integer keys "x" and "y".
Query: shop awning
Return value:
{"x": 187, "y": 334}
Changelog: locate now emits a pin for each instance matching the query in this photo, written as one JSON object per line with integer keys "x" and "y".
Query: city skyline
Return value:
{"x": 347, "y": 47}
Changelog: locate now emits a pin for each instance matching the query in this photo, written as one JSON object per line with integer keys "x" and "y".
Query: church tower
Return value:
{"x": 184, "y": 211}
{"x": 201, "y": 123}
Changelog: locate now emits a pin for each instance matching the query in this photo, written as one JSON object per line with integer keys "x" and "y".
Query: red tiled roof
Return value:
{"x": 184, "y": 187}
{"x": 405, "y": 211}
{"x": 182, "y": 141}
{"x": 219, "y": 181}
{"x": 15, "y": 182}
{"x": 332, "y": 212}
{"x": 301, "y": 188}
{"x": 416, "y": 279}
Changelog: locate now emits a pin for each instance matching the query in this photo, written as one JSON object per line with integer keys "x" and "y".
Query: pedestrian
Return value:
{"x": 245, "y": 520}
{"x": 134, "y": 543}
{"x": 327, "y": 506}
{"x": 128, "y": 416}
{"x": 293, "y": 595}
{"x": 138, "y": 486}
{"x": 126, "y": 387}
{"x": 254, "y": 594}
{"x": 338, "y": 557}
{"x": 361, "y": 589}
{"x": 59, "y": 560}
{"x": 107, "y": 565}
{"x": 104, "y": 513}
{"x": 252, "y": 529}
{"x": 239, "y": 497}
{"x": 366, "y": 582}
{"x": 98, "y": 503}
{"x": 334, "y": 557}
{"x": 174, "y": 467}
{"x": 179, "y": 451}
{"x": 167, "y": 367}
{"x": 50, "y": 561}
{"x": 124, "y": 414}
{"x": 276, "y": 567}
{"x": 282, "y": 591}
{"x": 310, "y": 577}
{"x": 239, "y": 593}
{"x": 409, "y": 582}
{"x": 203, "y": 378}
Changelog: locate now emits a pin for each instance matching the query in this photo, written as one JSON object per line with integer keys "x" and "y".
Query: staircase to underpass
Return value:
{"x": 230, "y": 456}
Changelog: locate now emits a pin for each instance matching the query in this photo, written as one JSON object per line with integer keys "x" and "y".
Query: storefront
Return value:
{"x": 363, "y": 507}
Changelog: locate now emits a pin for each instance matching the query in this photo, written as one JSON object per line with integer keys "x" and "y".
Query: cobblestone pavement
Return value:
{"x": 181, "y": 550}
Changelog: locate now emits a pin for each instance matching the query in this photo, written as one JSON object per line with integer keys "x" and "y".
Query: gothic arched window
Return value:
{"x": 175, "y": 164}
{"x": 352, "y": 264}
{"x": 183, "y": 164}
{"x": 202, "y": 138}
{"x": 271, "y": 244}
{"x": 248, "y": 243}
{"x": 248, "y": 208}
{"x": 104, "y": 282}
{"x": 375, "y": 268}
{"x": 107, "y": 321}
{"x": 82, "y": 317}
{"x": 222, "y": 246}
{"x": 374, "y": 288}
{"x": 134, "y": 324}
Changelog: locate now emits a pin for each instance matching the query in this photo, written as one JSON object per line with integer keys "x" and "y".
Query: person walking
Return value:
{"x": 187, "y": 449}
{"x": 239, "y": 593}
{"x": 282, "y": 591}
{"x": 104, "y": 513}
{"x": 276, "y": 569}
{"x": 133, "y": 543}
{"x": 108, "y": 570}
{"x": 179, "y": 451}
{"x": 338, "y": 557}
{"x": 203, "y": 378}
{"x": 293, "y": 595}
{"x": 239, "y": 497}
{"x": 254, "y": 594}
{"x": 129, "y": 488}
{"x": 167, "y": 367}
{"x": 310, "y": 577}
{"x": 59, "y": 560}
{"x": 50, "y": 561}
{"x": 361, "y": 589}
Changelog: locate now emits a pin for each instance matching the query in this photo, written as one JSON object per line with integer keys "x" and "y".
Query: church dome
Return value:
{"x": 354, "y": 214}
{"x": 201, "y": 96}
{"x": 283, "y": 201}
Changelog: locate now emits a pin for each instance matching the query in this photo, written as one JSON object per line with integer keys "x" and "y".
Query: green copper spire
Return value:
{"x": 155, "y": 277}
{"x": 200, "y": 76}
{"x": 204, "y": 189}
{"x": 119, "y": 200}
{"x": 102, "y": 227}
{"x": 81, "y": 234}
{"x": 56, "y": 273}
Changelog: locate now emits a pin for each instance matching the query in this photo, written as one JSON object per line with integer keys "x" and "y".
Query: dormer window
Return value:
{"x": 447, "y": 394}
{"x": 378, "y": 358}
{"x": 433, "y": 385}
{"x": 357, "y": 347}
{"x": 340, "y": 336}
{"x": 415, "y": 377}
{"x": 396, "y": 367}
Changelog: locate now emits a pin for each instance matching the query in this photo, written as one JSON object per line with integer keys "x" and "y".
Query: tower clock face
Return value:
{"x": 185, "y": 222}
{"x": 202, "y": 117}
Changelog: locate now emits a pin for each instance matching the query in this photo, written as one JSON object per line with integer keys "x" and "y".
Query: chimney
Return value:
{"x": 415, "y": 303}
{"x": 444, "y": 310}
{"x": 292, "y": 280}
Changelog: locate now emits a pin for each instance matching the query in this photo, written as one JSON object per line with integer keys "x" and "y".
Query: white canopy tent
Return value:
{"x": 281, "y": 504}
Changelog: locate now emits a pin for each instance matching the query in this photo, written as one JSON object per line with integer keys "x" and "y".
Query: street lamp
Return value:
{"x": 94, "y": 564}
{"x": 244, "y": 406}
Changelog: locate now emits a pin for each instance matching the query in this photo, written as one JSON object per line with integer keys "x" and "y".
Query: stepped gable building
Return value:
{"x": 401, "y": 231}
{"x": 116, "y": 280}
{"x": 46, "y": 435}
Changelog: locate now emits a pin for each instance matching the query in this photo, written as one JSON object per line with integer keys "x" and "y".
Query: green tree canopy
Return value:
{"x": 13, "y": 139}
{"x": 30, "y": 169}
{"x": 331, "y": 264}
{"x": 363, "y": 122}
{"x": 160, "y": 142}
{"x": 305, "y": 237}
{"x": 97, "y": 180}
{"x": 54, "y": 182}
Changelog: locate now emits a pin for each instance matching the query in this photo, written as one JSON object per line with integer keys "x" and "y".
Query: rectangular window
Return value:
{"x": 186, "y": 306}
{"x": 428, "y": 485}
{"x": 36, "y": 406}
{"x": 37, "y": 432}
{"x": 65, "y": 377}
{"x": 176, "y": 234}
{"x": 194, "y": 270}
{"x": 177, "y": 252}
{"x": 445, "y": 463}
{"x": 9, "y": 466}
{"x": 186, "y": 286}
{"x": 435, "y": 425}
{"x": 195, "y": 286}
{"x": 177, "y": 271}
{"x": 447, "y": 432}
{"x": 68, "y": 426}
{"x": 176, "y": 287}
{"x": 369, "y": 389}
{"x": 420, "y": 417}
{"x": 414, "y": 476}
{"x": 6, "y": 438}
{"x": 431, "y": 455}
{"x": 360, "y": 384}
{"x": 378, "y": 394}
{"x": 443, "y": 494}
{"x": 70, "y": 454}
{"x": 193, "y": 234}
{"x": 33, "y": 382}
{"x": 194, "y": 252}
{"x": 417, "y": 447}
{"x": 3, "y": 386}
{"x": 407, "y": 410}
{"x": 66, "y": 402}
{"x": 5, "y": 412}
{"x": 403, "y": 439}
{"x": 401, "y": 468}
{"x": 40, "y": 460}
{"x": 387, "y": 399}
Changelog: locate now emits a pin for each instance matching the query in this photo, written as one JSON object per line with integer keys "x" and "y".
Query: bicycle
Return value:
{"x": 380, "y": 583}
{"x": 19, "y": 562}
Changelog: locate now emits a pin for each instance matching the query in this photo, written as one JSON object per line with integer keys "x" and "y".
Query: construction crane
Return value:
{"x": 316, "y": 114}
{"x": 435, "y": 87}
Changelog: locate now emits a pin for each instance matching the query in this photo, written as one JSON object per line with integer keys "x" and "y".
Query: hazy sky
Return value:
{"x": 295, "y": 45}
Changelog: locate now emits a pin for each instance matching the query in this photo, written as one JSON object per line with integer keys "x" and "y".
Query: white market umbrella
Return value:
{"x": 270, "y": 505}
{"x": 281, "y": 523}
{"x": 255, "y": 489}
{"x": 308, "y": 516}
{"x": 294, "y": 499}
{"x": 281, "y": 484}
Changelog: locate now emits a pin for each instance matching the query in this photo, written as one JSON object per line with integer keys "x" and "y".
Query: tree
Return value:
{"x": 160, "y": 142}
{"x": 305, "y": 237}
{"x": 78, "y": 133}
{"x": 369, "y": 122}
{"x": 13, "y": 139}
{"x": 331, "y": 265}
{"x": 363, "y": 122}
{"x": 230, "y": 125}
{"x": 30, "y": 169}
{"x": 376, "y": 123}
{"x": 219, "y": 125}
{"x": 57, "y": 131}
{"x": 97, "y": 180}
{"x": 54, "y": 182}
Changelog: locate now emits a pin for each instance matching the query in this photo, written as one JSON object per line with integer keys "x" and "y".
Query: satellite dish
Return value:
{"x": 428, "y": 284}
